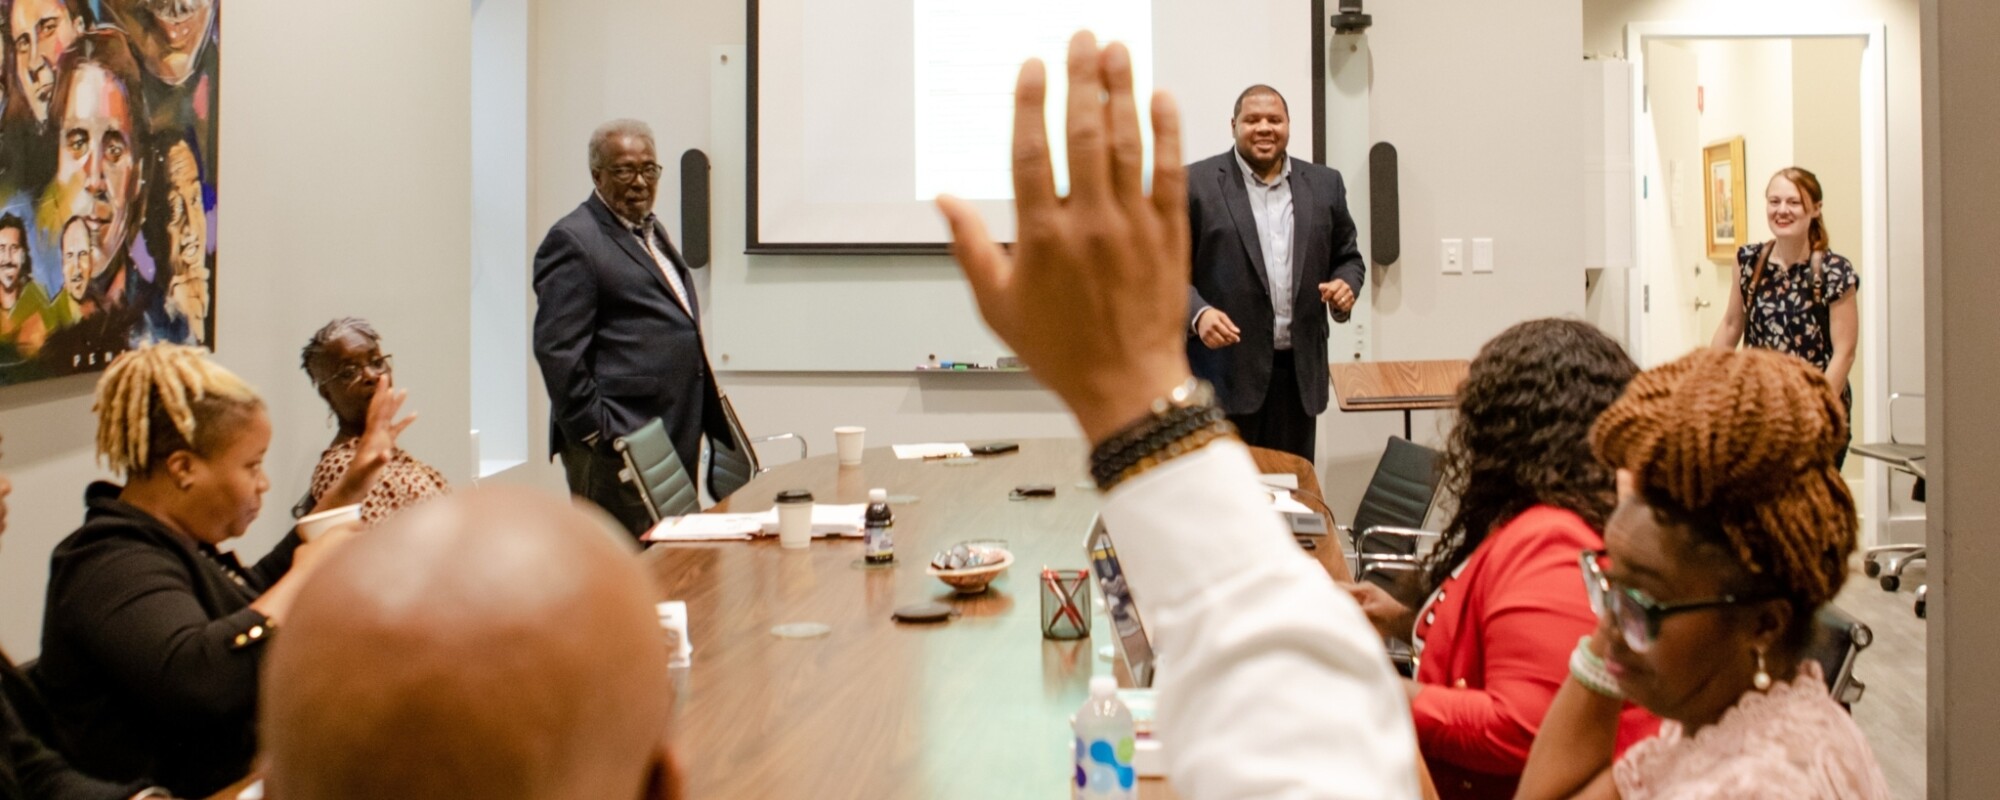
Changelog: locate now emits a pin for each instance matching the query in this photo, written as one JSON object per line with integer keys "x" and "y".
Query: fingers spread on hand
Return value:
{"x": 1089, "y": 172}
{"x": 1128, "y": 148}
{"x": 985, "y": 267}
{"x": 1034, "y": 178}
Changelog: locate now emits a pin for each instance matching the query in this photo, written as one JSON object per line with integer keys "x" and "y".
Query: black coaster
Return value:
{"x": 923, "y": 612}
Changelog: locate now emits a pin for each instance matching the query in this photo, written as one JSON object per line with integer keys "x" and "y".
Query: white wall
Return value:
{"x": 1436, "y": 97}
{"x": 500, "y": 233}
{"x": 345, "y": 191}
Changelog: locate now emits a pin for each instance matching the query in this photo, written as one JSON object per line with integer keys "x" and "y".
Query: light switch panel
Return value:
{"x": 1482, "y": 255}
{"x": 1453, "y": 256}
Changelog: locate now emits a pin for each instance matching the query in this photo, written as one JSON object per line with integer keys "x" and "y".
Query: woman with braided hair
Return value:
{"x": 1732, "y": 530}
{"x": 1503, "y": 608}
{"x": 152, "y": 635}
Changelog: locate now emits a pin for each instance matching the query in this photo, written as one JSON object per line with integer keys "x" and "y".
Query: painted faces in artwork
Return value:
{"x": 39, "y": 31}
{"x": 187, "y": 240}
{"x": 79, "y": 259}
{"x": 98, "y": 170}
{"x": 13, "y": 262}
{"x": 169, "y": 34}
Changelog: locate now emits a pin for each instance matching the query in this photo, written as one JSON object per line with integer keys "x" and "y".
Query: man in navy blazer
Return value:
{"x": 1274, "y": 250}
{"x": 618, "y": 327}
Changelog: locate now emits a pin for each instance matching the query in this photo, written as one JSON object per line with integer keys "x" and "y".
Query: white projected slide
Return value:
{"x": 866, "y": 110}
{"x": 968, "y": 54}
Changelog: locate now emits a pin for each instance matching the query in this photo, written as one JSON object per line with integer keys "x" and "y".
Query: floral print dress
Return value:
{"x": 1784, "y": 311}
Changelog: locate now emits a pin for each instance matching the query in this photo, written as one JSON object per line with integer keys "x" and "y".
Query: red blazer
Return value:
{"x": 1497, "y": 639}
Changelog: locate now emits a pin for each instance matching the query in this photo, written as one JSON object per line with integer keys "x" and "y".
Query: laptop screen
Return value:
{"x": 1132, "y": 641}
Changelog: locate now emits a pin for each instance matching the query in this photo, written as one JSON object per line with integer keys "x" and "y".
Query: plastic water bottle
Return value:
{"x": 878, "y": 545}
{"x": 1105, "y": 744}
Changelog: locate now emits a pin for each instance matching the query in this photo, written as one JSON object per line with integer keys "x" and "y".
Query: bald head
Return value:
{"x": 492, "y": 644}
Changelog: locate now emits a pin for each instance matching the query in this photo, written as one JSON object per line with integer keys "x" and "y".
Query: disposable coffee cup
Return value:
{"x": 795, "y": 519}
{"x": 848, "y": 440}
{"x": 312, "y": 525}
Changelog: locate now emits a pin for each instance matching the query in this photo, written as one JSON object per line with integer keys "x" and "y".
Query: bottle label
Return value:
{"x": 1104, "y": 768}
{"x": 876, "y": 544}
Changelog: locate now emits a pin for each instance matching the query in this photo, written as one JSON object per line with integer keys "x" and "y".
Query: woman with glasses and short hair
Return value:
{"x": 347, "y": 367}
{"x": 1732, "y": 529}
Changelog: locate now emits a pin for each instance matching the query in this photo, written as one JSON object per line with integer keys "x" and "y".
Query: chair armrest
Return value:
{"x": 1390, "y": 533}
{"x": 757, "y": 440}
{"x": 1387, "y": 565}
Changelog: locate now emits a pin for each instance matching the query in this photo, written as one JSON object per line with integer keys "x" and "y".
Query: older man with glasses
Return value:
{"x": 618, "y": 327}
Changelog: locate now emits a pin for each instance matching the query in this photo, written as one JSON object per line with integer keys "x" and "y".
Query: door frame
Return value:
{"x": 1874, "y": 200}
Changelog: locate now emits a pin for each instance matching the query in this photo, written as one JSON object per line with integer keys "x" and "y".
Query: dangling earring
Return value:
{"x": 1762, "y": 680}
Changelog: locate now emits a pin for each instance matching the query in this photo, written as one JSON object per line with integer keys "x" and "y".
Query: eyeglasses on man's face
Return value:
{"x": 382, "y": 364}
{"x": 1635, "y": 614}
{"x": 626, "y": 173}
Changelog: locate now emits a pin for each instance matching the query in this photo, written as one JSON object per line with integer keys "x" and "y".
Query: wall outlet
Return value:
{"x": 1453, "y": 256}
{"x": 1482, "y": 255}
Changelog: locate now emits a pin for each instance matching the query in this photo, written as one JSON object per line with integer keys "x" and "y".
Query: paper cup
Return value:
{"x": 848, "y": 439}
{"x": 312, "y": 525}
{"x": 795, "y": 519}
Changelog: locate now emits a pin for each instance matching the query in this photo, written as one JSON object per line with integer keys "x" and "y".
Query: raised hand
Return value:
{"x": 1094, "y": 296}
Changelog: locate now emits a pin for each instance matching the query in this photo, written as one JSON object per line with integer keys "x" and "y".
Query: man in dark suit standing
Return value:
{"x": 1274, "y": 250}
{"x": 618, "y": 327}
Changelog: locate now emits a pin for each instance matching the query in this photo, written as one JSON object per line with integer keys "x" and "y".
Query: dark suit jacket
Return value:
{"x": 1230, "y": 275}
{"x": 29, "y": 769}
{"x": 150, "y": 650}
{"x": 615, "y": 348}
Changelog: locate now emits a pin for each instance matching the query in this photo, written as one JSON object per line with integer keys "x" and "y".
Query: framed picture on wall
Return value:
{"x": 1722, "y": 199}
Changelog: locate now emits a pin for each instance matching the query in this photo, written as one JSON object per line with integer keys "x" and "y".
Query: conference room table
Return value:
{"x": 976, "y": 707}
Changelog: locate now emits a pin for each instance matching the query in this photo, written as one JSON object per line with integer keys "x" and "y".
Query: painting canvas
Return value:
{"x": 1723, "y": 201}
{"x": 107, "y": 180}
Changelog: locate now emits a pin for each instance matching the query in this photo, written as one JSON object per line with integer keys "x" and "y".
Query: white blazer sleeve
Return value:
{"x": 1271, "y": 682}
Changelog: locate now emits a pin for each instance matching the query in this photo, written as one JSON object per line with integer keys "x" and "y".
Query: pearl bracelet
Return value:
{"x": 1588, "y": 669}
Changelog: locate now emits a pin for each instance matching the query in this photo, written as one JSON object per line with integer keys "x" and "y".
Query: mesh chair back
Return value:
{"x": 1400, "y": 494}
{"x": 652, "y": 467}
{"x": 1836, "y": 644}
{"x": 733, "y": 463}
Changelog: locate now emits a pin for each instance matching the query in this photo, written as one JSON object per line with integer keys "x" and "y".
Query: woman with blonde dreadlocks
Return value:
{"x": 152, "y": 635}
{"x": 1732, "y": 530}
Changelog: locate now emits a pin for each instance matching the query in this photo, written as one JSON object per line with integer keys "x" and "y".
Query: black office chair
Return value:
{"x": 1386, "y": 527}
{"x": 653, "y": 468}
{"x": 733, "y": 463}
{"x": 1836, "y": 644}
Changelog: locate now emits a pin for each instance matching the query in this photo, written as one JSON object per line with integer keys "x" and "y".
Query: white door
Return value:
{"x": 1679, "y": 302}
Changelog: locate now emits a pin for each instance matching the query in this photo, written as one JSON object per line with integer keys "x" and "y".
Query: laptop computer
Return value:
{"x": 1133, "y": 644}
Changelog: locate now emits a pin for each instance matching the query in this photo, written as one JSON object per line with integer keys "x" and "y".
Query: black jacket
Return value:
{"x": 150, "y": 649}
{"x": 29, "y": 769}
{"x": 1229, "y": 274}
{"x": 615, "y": 348}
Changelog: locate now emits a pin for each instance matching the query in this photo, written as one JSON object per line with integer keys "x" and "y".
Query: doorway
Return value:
{"x": 1778, "y": 98}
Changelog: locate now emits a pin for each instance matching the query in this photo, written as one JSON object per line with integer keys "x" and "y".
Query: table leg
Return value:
{"x": 1406, "y": 427}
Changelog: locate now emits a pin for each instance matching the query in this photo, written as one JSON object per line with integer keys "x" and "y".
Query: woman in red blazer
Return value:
{"x": 1506, "y": 602}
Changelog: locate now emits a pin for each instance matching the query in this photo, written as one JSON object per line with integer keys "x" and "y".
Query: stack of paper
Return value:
{"x": 827, "y": 520}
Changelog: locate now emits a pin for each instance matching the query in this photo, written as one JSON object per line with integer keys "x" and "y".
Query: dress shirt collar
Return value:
{"x": 1251, "y": 176}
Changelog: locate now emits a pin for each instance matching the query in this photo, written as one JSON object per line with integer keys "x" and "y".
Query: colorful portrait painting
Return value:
{"x": 107, "y": 180}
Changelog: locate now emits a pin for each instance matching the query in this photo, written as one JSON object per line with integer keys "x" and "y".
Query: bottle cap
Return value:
{"x": 878, "y": 495}
{"x": 1103, "y": 686}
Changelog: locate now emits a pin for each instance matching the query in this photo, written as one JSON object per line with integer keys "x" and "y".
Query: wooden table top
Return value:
{"x": 977, "y": 707}
{"x": 1396, "y": 385}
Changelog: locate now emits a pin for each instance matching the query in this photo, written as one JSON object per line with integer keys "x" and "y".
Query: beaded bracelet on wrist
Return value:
{"x": 1178, "y": 425}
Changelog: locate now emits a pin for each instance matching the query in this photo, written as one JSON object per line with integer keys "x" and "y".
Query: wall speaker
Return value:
{"x": 694, "y": 208}
{"x": 1385, "y": 221}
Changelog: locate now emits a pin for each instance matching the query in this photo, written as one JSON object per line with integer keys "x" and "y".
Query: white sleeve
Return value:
{"x": 1271, "y": 682}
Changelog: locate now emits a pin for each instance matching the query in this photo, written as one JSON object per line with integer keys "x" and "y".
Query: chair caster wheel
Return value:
{"x": 1890, "y": 583}
{"x": 1871, "y": 567}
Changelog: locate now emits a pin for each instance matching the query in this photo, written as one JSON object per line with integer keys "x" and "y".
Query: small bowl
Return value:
{"x": 973, "y": 580}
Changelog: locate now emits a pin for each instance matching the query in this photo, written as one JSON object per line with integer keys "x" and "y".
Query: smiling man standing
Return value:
{"x": 1274, "y": 250}
{"x": 618, "y": 327}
